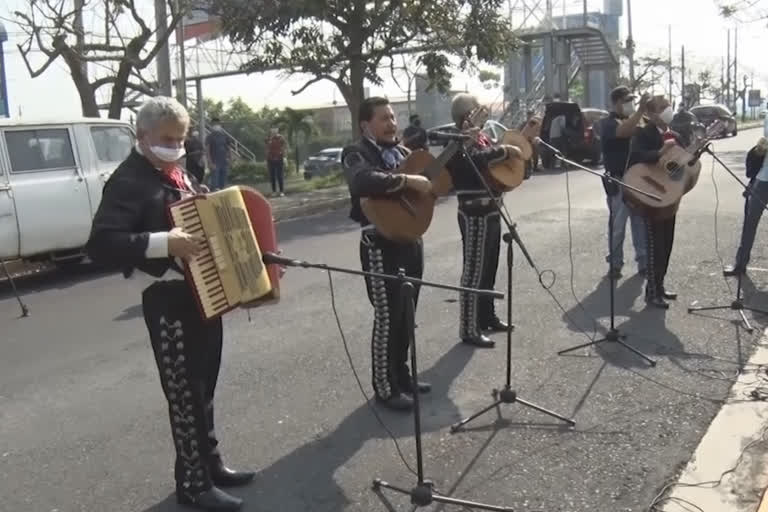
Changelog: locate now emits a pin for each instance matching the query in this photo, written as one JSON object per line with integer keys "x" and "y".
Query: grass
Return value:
{"x": 295, "y": 183}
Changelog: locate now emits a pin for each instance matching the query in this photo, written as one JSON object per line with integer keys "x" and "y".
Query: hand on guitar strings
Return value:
{"x": 183, "y": 245}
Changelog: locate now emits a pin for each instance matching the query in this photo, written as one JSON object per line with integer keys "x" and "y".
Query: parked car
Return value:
{"x": 51, "y": 180}
{"x": 589, "y": 147}
{"x": 324, "y": 163}
{"x": 707, "y": 114}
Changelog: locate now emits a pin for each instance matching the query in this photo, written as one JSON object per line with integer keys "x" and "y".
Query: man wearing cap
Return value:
{"x": 616, "y": 131}
{"x": 757, "y": 172}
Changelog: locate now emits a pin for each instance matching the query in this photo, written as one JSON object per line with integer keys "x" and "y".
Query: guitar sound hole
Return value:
{"x": 655, "y": 184}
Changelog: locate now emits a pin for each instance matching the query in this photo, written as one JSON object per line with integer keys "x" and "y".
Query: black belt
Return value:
{"x": 476, "y": 202}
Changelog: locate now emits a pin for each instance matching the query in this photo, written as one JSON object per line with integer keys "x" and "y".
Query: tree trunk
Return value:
{"x": 119, "y": 89}
{"x": 80, "y": 78}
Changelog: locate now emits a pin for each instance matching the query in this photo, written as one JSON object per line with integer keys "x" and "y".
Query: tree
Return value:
{"x": 744, "y": 10}
{"x": 346, "y": 42}
{"x": 127, "y": 47}
{"x": 293, "y": 123}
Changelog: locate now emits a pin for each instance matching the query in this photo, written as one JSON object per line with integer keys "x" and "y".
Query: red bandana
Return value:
{"x": 175, "y": 177}
{"x": 483, "y": 141}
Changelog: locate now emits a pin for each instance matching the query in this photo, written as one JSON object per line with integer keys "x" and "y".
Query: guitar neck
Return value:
{"x": 434, "y": 169}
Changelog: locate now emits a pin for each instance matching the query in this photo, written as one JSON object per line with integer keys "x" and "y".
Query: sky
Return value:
{"x": 695, "y": 24}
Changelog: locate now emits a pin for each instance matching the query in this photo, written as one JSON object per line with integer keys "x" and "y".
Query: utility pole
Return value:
{"x": 728, "y": 73}
{"x": 735, "y": 69}
{"x": 682, "y": 78}
{"x": 163, "y": 57}
{"x": 181, "y": 84}
{"x": 669, "y": 64}
{"x": 585, "y": 13}
{"x": 630, "y": 46}
{"x": 722, "y": 81}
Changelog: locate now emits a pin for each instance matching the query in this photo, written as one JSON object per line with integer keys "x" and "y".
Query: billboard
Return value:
{"x": 754, "y": 98}
{"x": 199, "y": 23}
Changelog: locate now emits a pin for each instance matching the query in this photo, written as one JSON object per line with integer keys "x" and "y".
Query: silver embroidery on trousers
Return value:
{"x": 475, "y": 234}
{"x": 381, "y": 323}
{"x": 183, "y": 422}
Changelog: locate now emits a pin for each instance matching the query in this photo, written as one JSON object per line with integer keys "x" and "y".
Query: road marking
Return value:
{"x": 737, "y": 424}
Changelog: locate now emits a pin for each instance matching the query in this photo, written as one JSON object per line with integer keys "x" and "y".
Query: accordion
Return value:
{"x": 228, "y": 272}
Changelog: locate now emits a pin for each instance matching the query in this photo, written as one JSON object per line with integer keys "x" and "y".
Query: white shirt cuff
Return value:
{"x": 157, "y": 246}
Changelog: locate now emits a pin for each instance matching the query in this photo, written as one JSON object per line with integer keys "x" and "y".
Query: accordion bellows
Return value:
{"x": 228, "y": 273}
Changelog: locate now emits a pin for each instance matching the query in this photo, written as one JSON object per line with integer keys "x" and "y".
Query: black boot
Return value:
{"x": 213, "y": 500}
{"x": 734, "y": 271}
{"x": 222, "y": 476}
{"x": 497, "y": 325}
{"x": 423, "y": 387}
{"x": 481, "y": 341}
{"x": 398, "y": 402}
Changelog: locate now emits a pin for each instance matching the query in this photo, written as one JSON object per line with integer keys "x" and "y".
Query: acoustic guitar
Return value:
{"x": 510, "y": 173}
{"x": 673, "y": 176}
{"x": 407, "y": 217}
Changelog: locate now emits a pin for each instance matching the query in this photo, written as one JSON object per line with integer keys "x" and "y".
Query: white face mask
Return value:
{"x": 628, "y": 108}
{"x": 667, "y": 115}
{"x": 168, "y": 155}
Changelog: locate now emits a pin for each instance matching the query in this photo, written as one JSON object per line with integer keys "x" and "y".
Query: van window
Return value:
{"x": 113, "y": 143}
{"x": 39, "y": 150}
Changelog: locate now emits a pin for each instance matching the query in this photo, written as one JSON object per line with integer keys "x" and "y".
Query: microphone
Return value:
{"x": 447, "y": 137}
{"x": 697, "y": 154}
{"x": 271, "y": 258}
{"x": 556, "y": 151}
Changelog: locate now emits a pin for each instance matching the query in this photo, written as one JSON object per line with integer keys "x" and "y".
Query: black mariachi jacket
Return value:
{"x": 368, "y": 175}
{"x": 134, "y": 204}
{"x": 646, "y": 143}
{"x": 465, "y": 179}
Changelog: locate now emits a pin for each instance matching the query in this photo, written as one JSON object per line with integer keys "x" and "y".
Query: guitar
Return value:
{"x": 510, "y": 173}
{"x": 407, "y": 217}
{"x": 673, "y": 176}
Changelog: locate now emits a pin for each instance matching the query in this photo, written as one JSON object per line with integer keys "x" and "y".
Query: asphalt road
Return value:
{"x": 83, "y": 423}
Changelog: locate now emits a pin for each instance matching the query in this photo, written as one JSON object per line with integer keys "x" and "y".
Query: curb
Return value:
{"x": 310, "y": 208}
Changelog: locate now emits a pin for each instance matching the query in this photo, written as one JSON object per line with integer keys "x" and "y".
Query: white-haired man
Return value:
{"x": 131, "y": 230}
{"x": 479, "y": 221}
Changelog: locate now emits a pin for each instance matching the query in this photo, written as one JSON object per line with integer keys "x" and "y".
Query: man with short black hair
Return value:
{"x": 415, "y": 136}
{"x": 616, "y": 133}
{"x": 218, "y": 155}
{"x": 371, "y": 170}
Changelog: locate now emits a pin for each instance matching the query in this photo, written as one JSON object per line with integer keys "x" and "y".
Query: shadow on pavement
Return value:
{"x": 53, "y": 279}
{"x": 304, "y": 479}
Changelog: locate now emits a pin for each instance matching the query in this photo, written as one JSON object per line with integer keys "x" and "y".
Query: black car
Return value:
{"x": 708, "y": 114}
{"x": 582, "y": 138}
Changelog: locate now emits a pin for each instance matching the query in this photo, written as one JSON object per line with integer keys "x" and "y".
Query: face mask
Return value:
{"x": 168, "y": 155}
{"x": 628, "y": 108}
{"x": 667, "y": 115}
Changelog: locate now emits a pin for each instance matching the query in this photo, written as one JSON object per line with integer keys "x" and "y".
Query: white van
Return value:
{"x": 51, "y": 180}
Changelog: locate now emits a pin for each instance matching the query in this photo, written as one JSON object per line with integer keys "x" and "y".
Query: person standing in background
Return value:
{"x": 276, "y": 159}
{"x": 195, "y": 162}
{"x": 218, "y": 155}
{"x": 414, "y": 135}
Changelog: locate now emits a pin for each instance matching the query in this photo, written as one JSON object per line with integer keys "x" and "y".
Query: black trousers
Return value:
{"x": 661, "y": 237}
{"x": 188, "y": 356}
{"x": 389, "y": 340}
{"x": 481, "y": 238}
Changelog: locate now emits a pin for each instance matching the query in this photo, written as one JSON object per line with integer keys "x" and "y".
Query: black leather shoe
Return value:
{"x": 669, "y": 295}
{"x": 497, "y": 325}
{"x": 614, "y": 273}
{"x": 734, "y": 271}
{"x": 399, "y": 402}
{"x": 657, "y": 302}
{"x": 213, "y": 500}
{"x": 423, "y": 387}
{"x": 222, "y": 476}
{"x": 481, "y": 341}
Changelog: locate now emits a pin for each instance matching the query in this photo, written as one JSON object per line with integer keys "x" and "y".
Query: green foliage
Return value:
{"x": 347, "y": 42}
{"x": 486, "y": 75}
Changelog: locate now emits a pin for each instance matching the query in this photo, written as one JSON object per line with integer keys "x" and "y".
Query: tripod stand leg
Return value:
{"x": 746, "y": 322}
{"x": 546, "y": 411}
{"x": 24, "y": 309}
{"x": 456, "y": 426}
{"x": 636, "y": 352}
{"x": 471, "y": 504}
{"x": 708, "y": 308}
{"x": 583, "y": 345}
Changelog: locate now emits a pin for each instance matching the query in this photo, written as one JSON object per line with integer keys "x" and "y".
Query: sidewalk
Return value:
{"x": 729, "y": 470}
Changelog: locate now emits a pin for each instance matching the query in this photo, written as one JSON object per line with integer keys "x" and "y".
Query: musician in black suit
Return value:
{"x": 370, "y": 167}
{"x": 479, "y": 221}
{"x": 647, "y": 145}
{"x": 131, "y": 230}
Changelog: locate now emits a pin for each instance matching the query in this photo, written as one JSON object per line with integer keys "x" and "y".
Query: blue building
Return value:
{"x": 3, "y": 82}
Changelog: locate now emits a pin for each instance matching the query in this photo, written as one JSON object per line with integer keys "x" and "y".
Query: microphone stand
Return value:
{"x": 423, "y": 494}
{"x": 738, "y": 303}
{"x": 506, "y": 395}
{"x": 24, "y": 308}
{"x": 613, "y": 335}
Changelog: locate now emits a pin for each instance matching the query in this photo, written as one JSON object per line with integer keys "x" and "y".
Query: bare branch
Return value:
{"x": 312, "y": 82}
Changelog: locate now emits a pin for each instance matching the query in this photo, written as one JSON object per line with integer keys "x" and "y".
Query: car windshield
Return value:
{"x": 328, "y": 153}
{"x": 592, "y": 116}
{"x": 712, "y": 111}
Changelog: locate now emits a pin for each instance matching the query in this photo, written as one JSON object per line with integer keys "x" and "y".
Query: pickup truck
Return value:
{"x": 51, "y": 178}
